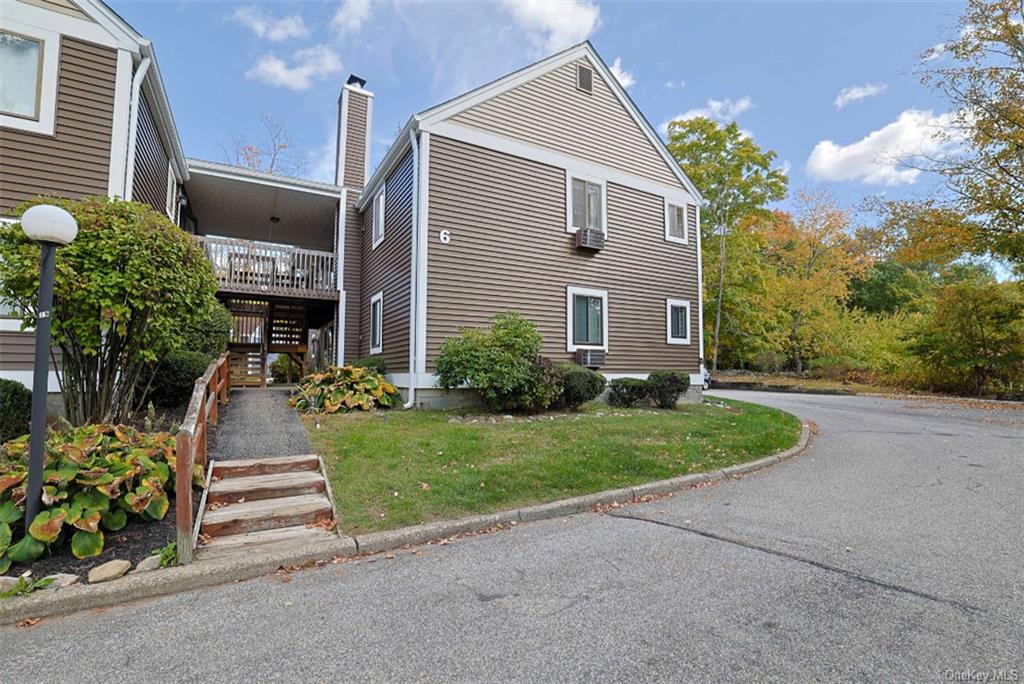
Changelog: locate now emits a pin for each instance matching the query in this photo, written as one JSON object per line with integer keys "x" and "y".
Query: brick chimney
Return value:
{"x": 355, "y": 112}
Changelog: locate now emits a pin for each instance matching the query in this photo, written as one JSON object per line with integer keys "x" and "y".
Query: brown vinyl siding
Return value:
{"x": 150, "y": 182}
{"x": 509, "y": 250}
{"x": 18, "y": 350}
{"x": 551, "y": 112}
{"x": 355, "y": 141}
{"x": 76, "y": 160}
{"x": 352, "y": 275}
{"x": 388, "y": 268}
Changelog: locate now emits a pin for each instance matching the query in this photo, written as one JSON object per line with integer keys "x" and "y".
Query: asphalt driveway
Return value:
{"x": 892, "y": 548}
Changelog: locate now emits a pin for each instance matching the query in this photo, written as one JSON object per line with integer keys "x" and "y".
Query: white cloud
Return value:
{"x": 626, "y": 78}
{"x": 266, "y": 26}
{"x": 305, "y": 67}
{"x": 934, "y": 52}
{"x": 856, "y": 93}
{"x": 879, "y": 158}
{"x": 350, "y": 16}
{"x": 322, "y": 160}
{"x": 553, "y": 26}
{"x": 675, "y": 85}
{"x": 723, "y": 111}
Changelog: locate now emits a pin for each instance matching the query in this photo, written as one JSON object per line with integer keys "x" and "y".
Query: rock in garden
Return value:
{"x": 6, "y": 583}
{"x": 61, "y": 580}
{"x": 146, "y": 564}
{"x": 108, "y": 571}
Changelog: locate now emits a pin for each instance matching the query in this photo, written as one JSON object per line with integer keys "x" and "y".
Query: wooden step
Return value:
{"x": 236, "y": 543}
{"x": 272, "y": 486}
{"x": 265, "y": 514}
{"x": 245, "y": 467}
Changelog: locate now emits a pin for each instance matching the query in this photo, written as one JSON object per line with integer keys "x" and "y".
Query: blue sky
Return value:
{"x": 778, "y": 69}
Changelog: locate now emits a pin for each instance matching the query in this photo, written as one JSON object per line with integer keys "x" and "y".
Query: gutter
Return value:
{"x": 414, "y": 264}
{"x": 133, "y": 126}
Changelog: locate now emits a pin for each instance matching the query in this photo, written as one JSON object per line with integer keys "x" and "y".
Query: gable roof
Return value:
{"x": 461, "y": 103}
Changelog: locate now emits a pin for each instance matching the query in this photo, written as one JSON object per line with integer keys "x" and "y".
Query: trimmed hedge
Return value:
{"x": 580, "y": 385}
{"x": 176, "y": 378}
{"x": 375, "y": 363}
{"x": 627, "y": 392}
{"x": 666, "y": 386}
{"x": 15, "y": 410}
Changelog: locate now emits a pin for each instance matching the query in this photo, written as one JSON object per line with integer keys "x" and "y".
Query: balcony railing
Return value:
{"x": 250, "y": 267}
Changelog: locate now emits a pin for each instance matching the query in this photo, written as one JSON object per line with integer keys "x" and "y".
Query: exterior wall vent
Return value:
{"x": 591, "y": 358}
{"x": 590, "y": 238}
{"x": 584, "y": 78}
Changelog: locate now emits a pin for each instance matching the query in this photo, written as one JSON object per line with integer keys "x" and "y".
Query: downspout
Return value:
{"x": 133, "y": 126}
{"x": 414, "y": 257}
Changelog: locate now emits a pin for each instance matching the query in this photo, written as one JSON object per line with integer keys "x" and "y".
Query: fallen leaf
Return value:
{"x": 28, "y": 622}
{"x": 424, "y": 486}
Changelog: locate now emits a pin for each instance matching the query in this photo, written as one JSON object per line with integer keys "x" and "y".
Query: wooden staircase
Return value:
{"x": 262, "y": 501}
{"x": 262, "y": 327}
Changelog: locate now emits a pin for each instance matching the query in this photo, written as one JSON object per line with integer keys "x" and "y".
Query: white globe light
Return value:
{"x": 47, "y": 223}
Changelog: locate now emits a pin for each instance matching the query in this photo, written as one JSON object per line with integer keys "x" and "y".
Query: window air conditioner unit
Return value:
{"x": 590, "y": 238}
{"x": 591, "y": 358}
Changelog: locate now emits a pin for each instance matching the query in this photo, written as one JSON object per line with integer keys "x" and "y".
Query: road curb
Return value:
{"x": 243, "y": 566}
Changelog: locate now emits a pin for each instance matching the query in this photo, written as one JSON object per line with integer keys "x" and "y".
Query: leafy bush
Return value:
{"x": 124, "y": 290}
{"x": 344, "y": 388}
{"x": 627, "y": 392}
{"x": 666, "y": 386}
{"x": 502, "y": 363}
{"x": 176, "y": 377}
{"x": 375, "y": 363}
{"x": 95, "y": 476}
{"x": 580, "y": 385}
{"x": 15, "y": 409}
{"x": 210, "y": 332}
{"x": 284, "y": 369}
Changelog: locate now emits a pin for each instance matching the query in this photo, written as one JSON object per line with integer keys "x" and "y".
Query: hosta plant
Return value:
{"x": 344, "y": 388}
{"x": 93, "y": 479}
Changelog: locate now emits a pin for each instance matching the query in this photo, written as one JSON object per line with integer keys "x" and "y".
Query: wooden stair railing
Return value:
{"x": 190, "y": 447}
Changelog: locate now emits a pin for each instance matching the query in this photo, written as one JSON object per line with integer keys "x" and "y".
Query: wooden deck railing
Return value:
{"x": 250, "y": 267}
{"x": 190, "y": 446}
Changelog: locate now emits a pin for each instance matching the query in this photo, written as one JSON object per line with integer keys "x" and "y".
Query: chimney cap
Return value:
{"x": 354, "y": 80}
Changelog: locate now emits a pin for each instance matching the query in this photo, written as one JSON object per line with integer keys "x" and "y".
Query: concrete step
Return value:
{"x": 265, "y": 514}
{"x": 239, "y": 543}
{"x": 246, "y": 467}
{"x": 273, "y": 486}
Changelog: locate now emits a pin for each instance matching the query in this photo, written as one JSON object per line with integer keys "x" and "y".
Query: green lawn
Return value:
{"x": 407, "y": 467}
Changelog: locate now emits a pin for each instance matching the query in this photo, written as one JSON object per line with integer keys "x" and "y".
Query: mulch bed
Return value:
{"x": 133, "y": 543}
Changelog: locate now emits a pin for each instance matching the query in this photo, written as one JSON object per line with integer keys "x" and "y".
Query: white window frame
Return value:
{"x": 50, "y": 47}
{"x": 569, "y": 176}
{"x": 378, "y": 325}
{"x": 379, "y": 206}
{"x": 669, "y": 205}
{"x": 669, "y": 304}
{"x": 570, "y": 311}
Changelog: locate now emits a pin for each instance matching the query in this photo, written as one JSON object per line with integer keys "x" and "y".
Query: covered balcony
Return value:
{"x": 264, "y": 268}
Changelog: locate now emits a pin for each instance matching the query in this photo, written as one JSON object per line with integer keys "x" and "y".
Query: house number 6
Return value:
{"x": 445, "y": 237}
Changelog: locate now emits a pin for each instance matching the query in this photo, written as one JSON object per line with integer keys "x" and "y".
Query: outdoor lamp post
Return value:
{"x": 51, "y": 227}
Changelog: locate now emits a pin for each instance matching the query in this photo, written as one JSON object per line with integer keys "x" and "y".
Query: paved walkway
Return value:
{"x": 891, "y": 549}
{"x": 258, "y": 422}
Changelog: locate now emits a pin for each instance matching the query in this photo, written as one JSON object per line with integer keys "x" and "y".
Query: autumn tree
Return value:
{"x": 981, "y": 72}
{"x": 815, "y": 256}
{"x": 736, "y": 179}
{"x": 274, "y": 153}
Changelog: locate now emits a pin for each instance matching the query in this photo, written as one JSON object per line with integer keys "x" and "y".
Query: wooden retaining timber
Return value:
{"x": 190, "y": 445}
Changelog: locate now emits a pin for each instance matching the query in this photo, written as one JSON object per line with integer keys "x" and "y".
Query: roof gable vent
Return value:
{"x": 584, "y": 78}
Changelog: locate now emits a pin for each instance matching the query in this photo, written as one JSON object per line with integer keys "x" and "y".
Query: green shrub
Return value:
{"x": 284, "y": 369}
{"x": 176, "y": 376}
{"x": 666, "y": 386}
{"x": 210, "y": 332}
{"x": 627, "y": 392}
{"x": 344, "y": 388}
{"x": 95, "y": 476}
{"x": 375, "y": 363}
{"x": 580, "y": 385}
{"x": 15, "y": 409}
{"x": 502, "y": 363}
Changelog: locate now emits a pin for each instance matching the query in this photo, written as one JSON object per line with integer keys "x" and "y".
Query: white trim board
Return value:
{"x": 422, "y": 234}
{"x": 525, "y": 150}
{"x": 120, "y": 124}
{"x": 208, "y": 168}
